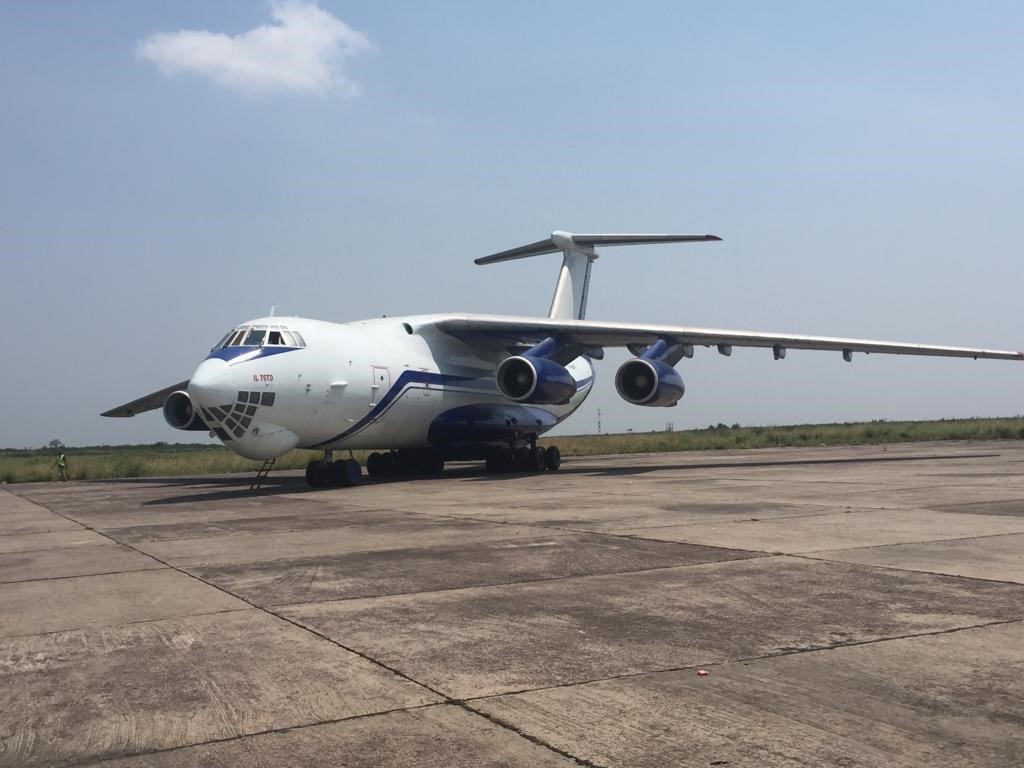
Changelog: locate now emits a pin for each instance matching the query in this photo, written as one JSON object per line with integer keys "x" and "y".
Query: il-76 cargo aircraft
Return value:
{"x": 420, "y": 390}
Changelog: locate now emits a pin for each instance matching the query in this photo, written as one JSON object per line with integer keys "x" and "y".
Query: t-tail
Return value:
{"x": 570, "y": 299}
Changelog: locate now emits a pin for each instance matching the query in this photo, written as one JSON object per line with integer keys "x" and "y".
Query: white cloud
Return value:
{"x": 304, "y": 50}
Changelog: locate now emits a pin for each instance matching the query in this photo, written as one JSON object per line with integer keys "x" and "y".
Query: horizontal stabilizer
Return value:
{"x": 560, "y": 241}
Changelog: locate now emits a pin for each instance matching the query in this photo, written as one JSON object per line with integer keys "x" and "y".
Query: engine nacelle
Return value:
{"x": 649, "y": 382}
{"x": 528, "y": 379}
{"x": 181, "y": 414}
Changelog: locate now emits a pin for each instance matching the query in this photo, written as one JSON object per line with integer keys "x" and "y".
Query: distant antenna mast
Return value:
{"x": 273, "y": 309}
{"x": 599, "y": 421}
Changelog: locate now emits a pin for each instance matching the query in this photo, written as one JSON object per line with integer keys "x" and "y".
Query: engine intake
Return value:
{"x": 528, "y": 379}
{"x": 181, "y": 414}
{"x": 649, "y": 382}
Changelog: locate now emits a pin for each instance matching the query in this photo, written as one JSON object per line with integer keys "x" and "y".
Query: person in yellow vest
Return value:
{"x": 61, "y": 463}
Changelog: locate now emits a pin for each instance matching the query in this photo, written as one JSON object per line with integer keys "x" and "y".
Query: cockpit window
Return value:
{"x": 255, "y": 337}
{"x": 260, "y": 335}
{"x": 224, "y": 339}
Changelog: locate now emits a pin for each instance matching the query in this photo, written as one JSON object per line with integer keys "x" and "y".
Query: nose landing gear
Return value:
{"x": 326, "y": 473}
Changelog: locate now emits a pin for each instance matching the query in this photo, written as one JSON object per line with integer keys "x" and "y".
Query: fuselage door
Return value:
{"x": 380, "y": 383}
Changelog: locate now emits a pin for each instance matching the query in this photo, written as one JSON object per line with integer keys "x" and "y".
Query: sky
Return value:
{"x": 169, "y": 170}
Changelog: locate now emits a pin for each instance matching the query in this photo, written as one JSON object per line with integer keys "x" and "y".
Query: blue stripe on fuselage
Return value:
{"x": 407, "y": 377}
{"x": 229, "y": 354}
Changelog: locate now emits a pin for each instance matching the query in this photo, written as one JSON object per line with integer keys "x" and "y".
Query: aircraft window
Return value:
{"x": 254, "y": 338}
{"x": 224, "y": 339}
{"x": 298, "y": 339}
{"x": 275, "y": 338}
{"x": 289, "y": 340}
{"x": 236, "y": 340}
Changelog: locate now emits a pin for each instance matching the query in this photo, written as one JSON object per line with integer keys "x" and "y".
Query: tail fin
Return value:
{"x": 570, "y": 299}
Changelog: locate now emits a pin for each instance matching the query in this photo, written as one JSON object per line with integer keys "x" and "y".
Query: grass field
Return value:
{"x": 163, "y": 459}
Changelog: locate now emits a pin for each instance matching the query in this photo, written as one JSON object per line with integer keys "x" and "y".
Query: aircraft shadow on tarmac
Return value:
{"x": 237, "y": 486}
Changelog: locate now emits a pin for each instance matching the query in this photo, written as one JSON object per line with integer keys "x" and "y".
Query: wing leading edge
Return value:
{"x": 476, "y": 329}
{"x": 149, "y": 402}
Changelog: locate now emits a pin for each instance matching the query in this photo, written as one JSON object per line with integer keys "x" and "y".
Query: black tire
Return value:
{"x": 315, "y": 474}
{"x": 523, "y": 461}
{"x": 345, "y": 473}
{"x": 539, "y": 460}
{"x": 407, "y": 463}
{"x": 553, "y": 458}
{"x": 375, "y": 465}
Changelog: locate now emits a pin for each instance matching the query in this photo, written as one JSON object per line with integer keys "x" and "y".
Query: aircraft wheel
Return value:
{"x": 553, "y": 458}
{"x": 539, "y": 460}
{"x": 375, "y": 465}
{"x": 345, "y": 473}
{"x": 316, "y": 476}
{"x": 406, "y": 463}
{"x": 523, "y": 461}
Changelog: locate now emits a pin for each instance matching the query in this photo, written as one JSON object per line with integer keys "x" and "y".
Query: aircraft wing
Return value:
{"x": 148, "y": 403}
{"x": 496, "y": 330}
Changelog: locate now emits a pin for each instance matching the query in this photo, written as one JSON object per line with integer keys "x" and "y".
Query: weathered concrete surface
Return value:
{"x": 950, "y": 700}
{"x": 837, "y": 530}
{"x": 526, "y": 620}
{"x": 37, "y": 542}
{"x": 442, "y": 735}
{"x": 151, "y": 685}
{"x": 31, "y": 607}
{"x": 20, "y": 516}
{"x": 251, "y": 547}
{"x": 72, "y": 561}
{"x": 1000, "y": 558}
{"x": 574, "y": 630}
{"x": 452, "y": 566}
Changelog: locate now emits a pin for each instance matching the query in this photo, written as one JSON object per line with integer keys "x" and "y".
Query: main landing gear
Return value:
{"x": 524, "y": 457}
{"x": 326, "y": 473}
{"x": 521, "y": 454}
{"x": 404, "y": 464}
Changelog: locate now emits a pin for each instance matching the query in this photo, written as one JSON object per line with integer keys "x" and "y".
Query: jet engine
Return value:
{"x": 650, "y": 379}
{"x": 181, "y": 414}
{"x": 529, "y": 379}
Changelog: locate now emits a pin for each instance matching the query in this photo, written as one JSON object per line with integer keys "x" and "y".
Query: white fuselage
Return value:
{"x": 388, "y": 383}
